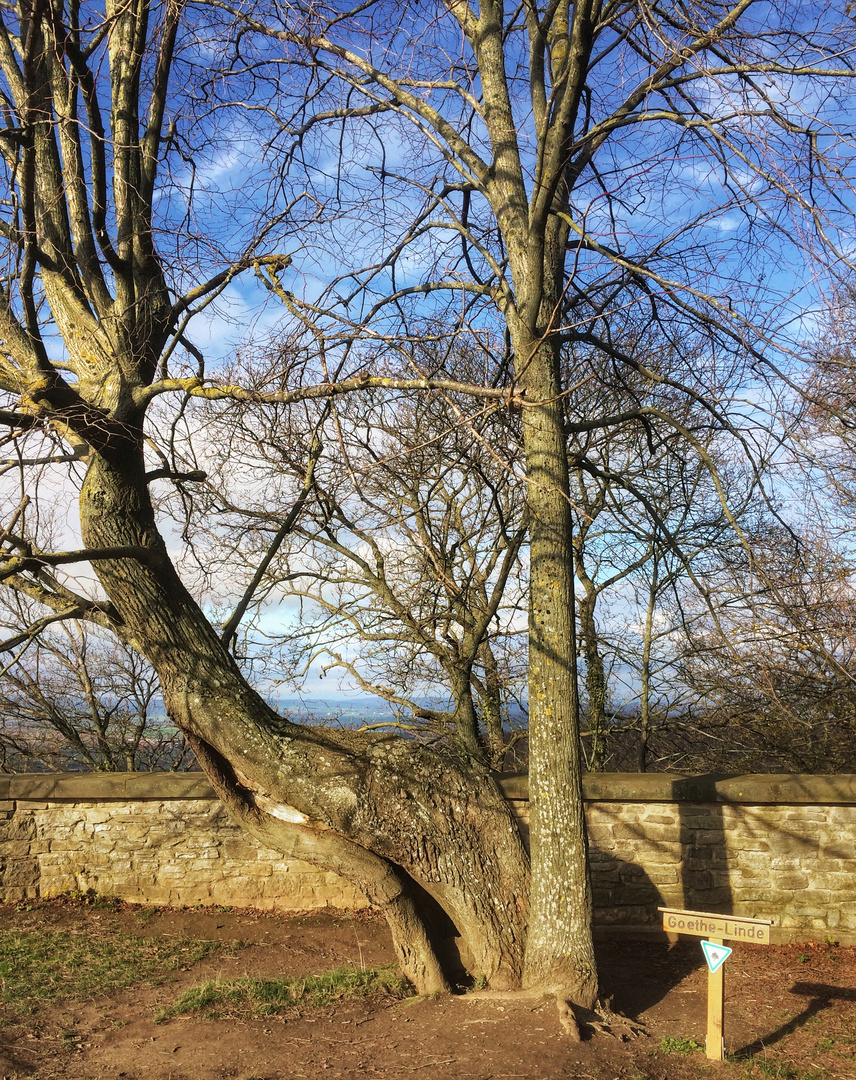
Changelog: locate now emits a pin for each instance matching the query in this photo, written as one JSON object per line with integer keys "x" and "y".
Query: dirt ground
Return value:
{"x": 790, "y": 1013}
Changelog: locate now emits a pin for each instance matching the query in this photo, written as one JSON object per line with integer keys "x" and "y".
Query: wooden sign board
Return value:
{"x": 703, "y": 924}
{"x": 716, "y": 928}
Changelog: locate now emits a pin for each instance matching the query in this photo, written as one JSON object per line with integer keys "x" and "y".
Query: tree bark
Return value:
{"x": 559, "y": 951}
{"x": 381, "y": 810}
{"x": 595, "y": 680}
{"x": 645, "y": 673}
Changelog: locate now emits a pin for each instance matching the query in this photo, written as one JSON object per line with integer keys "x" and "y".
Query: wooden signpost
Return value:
{"x": 716, "y": 928}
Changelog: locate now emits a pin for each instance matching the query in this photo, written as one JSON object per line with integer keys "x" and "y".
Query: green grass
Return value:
{"x": 264, "y": 997}
{"x": 41, "y": 967}
{"x": 758, "y": 1067}
{"x": 675, "y": 1045}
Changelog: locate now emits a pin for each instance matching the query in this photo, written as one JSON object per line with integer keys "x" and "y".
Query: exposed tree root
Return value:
{"x": 602, "y": 1020}
{"x": 568, "y": 1020}
{"x": 578, "y": 1023}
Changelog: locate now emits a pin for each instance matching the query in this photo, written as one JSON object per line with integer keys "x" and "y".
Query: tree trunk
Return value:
{"x": 491, "y": 704}
{"x": 595, "y": 681}
{"x": 402, "y": 821}
{"x": 645, "y": 674}
{"x": 559, "y": 952}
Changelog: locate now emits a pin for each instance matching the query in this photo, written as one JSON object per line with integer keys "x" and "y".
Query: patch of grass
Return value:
{"x": 40, "y": 967}
{"x": 778, "y": 1070}
{"x": 265, "y": 997}
{"x": 142, "y": 916}
{"x": 676, "y": 1045}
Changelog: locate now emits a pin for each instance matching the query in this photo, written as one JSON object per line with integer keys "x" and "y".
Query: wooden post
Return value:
{"x": 715, "y": 1008}
{"x": 716, "y": 928}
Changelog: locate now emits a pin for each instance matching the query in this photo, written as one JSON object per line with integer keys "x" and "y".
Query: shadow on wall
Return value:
{"x": 636, "y": 974}
{"x": 623, "y": 893}
{"x": 703, "y": 867}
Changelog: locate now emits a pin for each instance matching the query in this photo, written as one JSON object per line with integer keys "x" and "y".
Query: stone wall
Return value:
{"x": 779, "y": 847}
{"x": 149, "y": 838}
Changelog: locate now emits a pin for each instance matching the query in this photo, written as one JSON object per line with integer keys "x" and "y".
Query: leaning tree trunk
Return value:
{"x": 412, "y": 827}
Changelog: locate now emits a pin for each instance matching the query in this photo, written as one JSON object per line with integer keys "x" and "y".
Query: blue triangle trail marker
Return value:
{"x": 715, "y": 955}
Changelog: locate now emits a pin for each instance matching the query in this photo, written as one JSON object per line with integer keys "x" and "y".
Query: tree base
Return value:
{"x": 577, "y": 1022}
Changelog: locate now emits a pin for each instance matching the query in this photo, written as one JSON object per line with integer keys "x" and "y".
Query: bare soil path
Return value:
{"x": 790, "y": 1012}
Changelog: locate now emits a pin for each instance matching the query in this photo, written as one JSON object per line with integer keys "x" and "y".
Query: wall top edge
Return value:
{"x": 98, "y": 787}
{"x": 752, "y": 788}
{"x": 760, "y": 788}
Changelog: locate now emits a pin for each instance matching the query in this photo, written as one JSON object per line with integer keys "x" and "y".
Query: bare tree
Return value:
{"x": 544, "y": 143}
{"x": 76, "y": 698}
{"x": 517, "y": 199}
{"x": 774, "y": 672}
{"x": 405, "y": 561}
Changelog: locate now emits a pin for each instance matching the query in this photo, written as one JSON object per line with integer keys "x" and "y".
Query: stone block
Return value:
{"x": 664, "y": 851}
{"x": 812, "y": 898}
{"x": 237, "y": 848}
{"x": 835, "y": 882}
{"x": 17, "y": 849}
{"x": 845, "y": 850}
{"x": 20, "y": 827}
{"x": 707, "y": 838}
{"x": 740, "y": 879}
{"x": 843, "y": 832}
{"x": 847, "y": 916}
{"x": 244, "y": 889}
{"x": 599, "y": 834}
{"x": 636, "y": 892}
{"x": 804, "y": 912}
{"x": 834, "y": 866}
{"x": 700, "y": 861}
{"x": 663, "y": 875}
{"x": 698, "y": 817}
{"x": 748, "y": 848}
{"x": 644, "y": 833}
{"x": 622, "y": 831}
{"x": 799, "y": 847}
{"x": 791, "y": 881}
{"x": 707, "y": 897}
{"x": 199, "y": 853}
{"x": 21, "y": 873}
